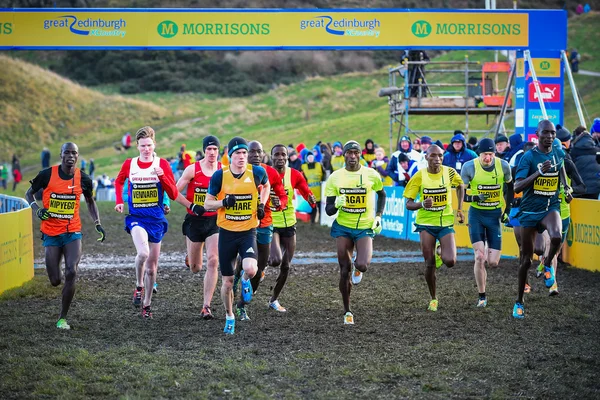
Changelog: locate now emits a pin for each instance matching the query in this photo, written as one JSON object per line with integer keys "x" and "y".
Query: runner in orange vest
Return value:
{"x": 63, "y": 186}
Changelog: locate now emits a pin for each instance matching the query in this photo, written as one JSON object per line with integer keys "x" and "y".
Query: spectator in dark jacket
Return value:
{"x": 595, "y": 131}
{"x": 326, "y": 157}
{"x": 45, "y": 158}
{"x": 295, "y": 161}
{"x": 502, "y": 146}
{"x": 583, "y": 153}
{"x": 516, "y": 144}
{"x": 457, "y": 153}
{"x": 368, "y": 153}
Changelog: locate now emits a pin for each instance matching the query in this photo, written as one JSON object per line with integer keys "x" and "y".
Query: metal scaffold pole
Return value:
{"x": 573, "y": 88}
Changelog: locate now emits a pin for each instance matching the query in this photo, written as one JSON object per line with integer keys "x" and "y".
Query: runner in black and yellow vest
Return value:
{"x": 63, "y": 186}
{"x": 314, "y": 173}
{"x": 350, "y": 194}
{"x": 234, "y": 192}
{"x": 283, "y": 245}
{"x": 199, "y": 230}
{"x": 486, "y": 177}
{"x": 435, "y": 216}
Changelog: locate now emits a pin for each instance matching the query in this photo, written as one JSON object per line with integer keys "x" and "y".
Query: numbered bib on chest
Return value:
{"x": 62, "y": 206}
{"x": 493, "y": 195}
{"x": 546, "y": 185}
{"x": 356, "y": 200}
{"x": 241, "y": 210}
{"x": 439, "y": 197}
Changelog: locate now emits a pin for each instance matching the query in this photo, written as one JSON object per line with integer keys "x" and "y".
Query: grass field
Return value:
{"x": 395, "y": 350}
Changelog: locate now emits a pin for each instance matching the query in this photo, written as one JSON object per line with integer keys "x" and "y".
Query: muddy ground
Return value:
{"x": 396, "y": 349}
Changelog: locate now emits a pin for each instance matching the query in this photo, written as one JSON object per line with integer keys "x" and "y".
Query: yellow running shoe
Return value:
{"x": 433, "y": 305}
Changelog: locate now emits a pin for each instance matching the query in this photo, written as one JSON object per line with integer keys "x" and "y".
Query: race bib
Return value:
{"x": 144, "y": 195}
{"x": 493, "y": 195}
{"x": 200, "y": 196}
{"x": 439, "y": 196}
{"x": 62, "y": 205}
{"x": 241, "y": 210}
{"x": 546, "y": 185}
{"x": 356, "y": 200}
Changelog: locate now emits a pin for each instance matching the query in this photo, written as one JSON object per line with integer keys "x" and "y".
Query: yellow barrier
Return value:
{"x": 16, "y": 249}
{"x": 582, "y": 247}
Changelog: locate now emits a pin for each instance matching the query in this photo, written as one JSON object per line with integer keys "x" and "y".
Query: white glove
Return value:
{"x": 340, "y": 201}
{"x": 377, "y": 227}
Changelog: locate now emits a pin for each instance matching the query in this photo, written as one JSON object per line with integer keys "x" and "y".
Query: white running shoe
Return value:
{"x": 276, "y": 306}
{"x": 356, "y": 275}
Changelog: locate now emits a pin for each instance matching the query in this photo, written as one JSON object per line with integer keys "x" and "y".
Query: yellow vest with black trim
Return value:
{"x": 287, "y": 217}
{"x": 314, "y": 177}
{"x": 439, "y": 188}
{"x": 490, "y": 183}
{"x": 242, "y": 216}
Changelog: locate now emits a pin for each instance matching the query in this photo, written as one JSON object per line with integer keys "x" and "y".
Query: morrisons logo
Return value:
{"x": 167, "y": 29}
{"x": 422, "y": 29}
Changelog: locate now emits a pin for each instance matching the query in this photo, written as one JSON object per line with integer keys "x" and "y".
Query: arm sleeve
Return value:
{"x": 168, "y": 180}
{"x": 298, "y": 182}
{"x": 507, "y": 171}
{"x": 120, "y": 181}
{"x": 572, "y": 172}
{"x": 277, "y": 185}
{"x": 260, "y": 175}
{"x": 216, "y": 181}
{"x": 41, "y": 180}
{"x": 86, "y": 185}
{"x": 413, "y": 187}
{"x": 468, "y": 172}
{"x": 523, "y": 168}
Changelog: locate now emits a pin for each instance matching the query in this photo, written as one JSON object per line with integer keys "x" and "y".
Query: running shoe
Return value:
{"x": 553, "y": 290}
{"x": 549, "y": 277}
{"x": 276, "y": 306}
{"x": 155, "y": 288}
{"x": 137, "y": 297}
{"x": 438, "y": 257}
{"x": 539, "y": 270}
{"x": 206, "y": 313}
{"x": 187, "y": 261}
{"x": 356, "y": 275}
{"x": 433, "y": 305}
{"x": 243, "y": 314}
{"x": 527, "y": 288}
{"x": 518, "y": 311}
{"x": 62, "y": 324}
{"x": 348, "y": 318}
{"x": 482, "y": 302}
{"x": 246, "y": 290}
{"x": 146, "y": 312}
{"x": 229, "y": 326}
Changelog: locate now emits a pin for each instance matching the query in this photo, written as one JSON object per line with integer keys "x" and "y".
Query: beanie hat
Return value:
{"x": 562, "y": 133}
{"x": 595, "y": 126}
{"x": 501, "y": 138}
{"x": 405, "y": 138}
{"x": 352, "y": 145}
{"x": 237, "y": 143}
{"x": 210, "y": 141}
{"x": 486, "y": 145}
{"x": 426, "y": 140}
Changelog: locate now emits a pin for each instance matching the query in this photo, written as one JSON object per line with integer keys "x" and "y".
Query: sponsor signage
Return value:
{"x": 223, "y": 29}
{"x": 550, "y": 92}
{"x": 535, "y": 116}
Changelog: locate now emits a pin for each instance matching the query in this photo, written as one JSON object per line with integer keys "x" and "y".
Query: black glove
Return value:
{"x": 43, "y": 214}
{"x": 196, "y": 209}
{"x": 260, "y": 212}
{"x": 100, "y": 230}
{"x": 229, "y": 201}
{"x": 481, "y": 197}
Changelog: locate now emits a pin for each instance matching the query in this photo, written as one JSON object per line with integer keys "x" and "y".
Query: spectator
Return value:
{"x": 317, "y": 152}
{"x": 405, "y": 146}
{"x": 199, "y": 155}
{"x": 401, "y": 168}
{"x": 579, "y": 9}
{"x": 596, "y": 131}
{"x": 502, "y": 146}
{"x": 224, "y": 156}
{"x": 583, "y": 153}
{"x": 472, "y": 143}
{"x": 180, "y": 157}
{"x": 516, "y": 144}
{"x": 326, "y": 157}
{"x": 294, "y": 161}
{"x": 416, "y": 71}
{"x": 564, "y": 136}
{"x": 314, "y": 173}
{"x": 380, "y": 164}
{"x": 83, "y": 164}
{"x": 92, "y": 168}
{"x": 16, "y": 171}
{"x": 514, "y": 162}
{"x": 126, "y": 141}
{"x": 368, "y": 153}
{"x": 574, "y": 59}
{"x": 45, "y": 156}
{"x": 587, "y": 8}
{"x": 337, "y": 158}
{"x": 458, "y": 153}
{"x": 3, "y": 175}
{"x": 425, "y": 143}
{"x": 439, "y": 144}
{"x": 417, "y": 145}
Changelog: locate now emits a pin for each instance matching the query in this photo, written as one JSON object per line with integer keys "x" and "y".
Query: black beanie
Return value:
{"x": 210, "y": 141}
{"x": 486, "y": 145}
{"x": 237, "y": 143}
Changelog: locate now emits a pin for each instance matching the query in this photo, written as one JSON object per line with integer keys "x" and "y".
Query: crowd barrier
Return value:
{"x": 105, "y": 194}
{"x": 16, "y": 243}
{"x": 581, "y": 249}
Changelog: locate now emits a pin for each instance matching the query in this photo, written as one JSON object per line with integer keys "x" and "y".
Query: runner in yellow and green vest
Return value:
{"x": 435, "y": 216}
{"x": 314, "y": 173}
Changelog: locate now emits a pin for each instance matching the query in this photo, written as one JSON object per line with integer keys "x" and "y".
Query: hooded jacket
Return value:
{"x": 516, "y": 143}
{"x": 583, "y": 153}
{"x": 455, "y": 159}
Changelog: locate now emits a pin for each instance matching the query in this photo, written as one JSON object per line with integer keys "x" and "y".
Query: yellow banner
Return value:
{"x": 583, "y": 239}
{"x": 129, "y": 28}
{"x": 16, "y": 249}
{"x": 547, "y": 67}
